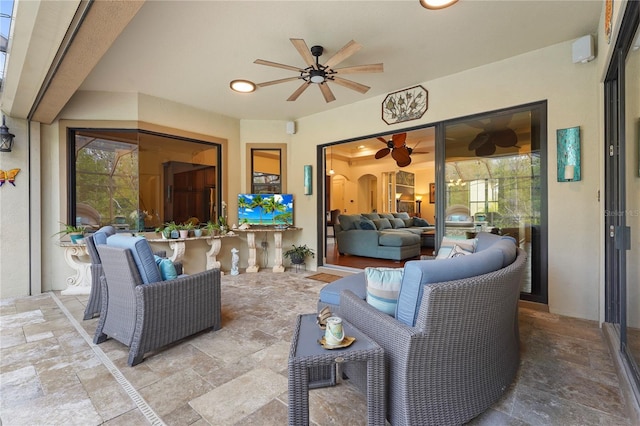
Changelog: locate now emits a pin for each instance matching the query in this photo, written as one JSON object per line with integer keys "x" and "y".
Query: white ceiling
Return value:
{"x": 189, "y": 51}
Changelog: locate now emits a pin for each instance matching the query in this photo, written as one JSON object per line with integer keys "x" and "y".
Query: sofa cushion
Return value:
{"x": 386, "y": 216}
{"x": 398, "y": 239}
{"x": 383, "y": 287}
{"x": 167, "y": 268}
{"x": 408, "y": 222}
{"x": 101, "y": 235}
{"x": 382, "y": 224}
{"x": 447, "y": 244}
{"x": 418, "y": 221}
{"x": 142, "y": 255}
{"x": 401, "y": 215}
{"x": 349, "y": 221}
{"x": 397, "y": 223}
{"x": 418, "y": 273}
{"x": 330, "y": 293}
{"x": 507, "y": 246}
{"x": 371, "y": 215}
{"x": 366, "y": 224}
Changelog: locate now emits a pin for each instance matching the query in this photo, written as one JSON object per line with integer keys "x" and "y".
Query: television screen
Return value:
{"x": 265, "y": 209}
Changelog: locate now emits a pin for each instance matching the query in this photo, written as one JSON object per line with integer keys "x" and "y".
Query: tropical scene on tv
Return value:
{"x": 265, "y": 209}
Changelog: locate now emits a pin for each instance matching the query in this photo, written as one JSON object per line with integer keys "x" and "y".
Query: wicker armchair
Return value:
{"x": 149, "y": 316}
{"x": 458, "y": 359}
{"x": 99, "y": 237}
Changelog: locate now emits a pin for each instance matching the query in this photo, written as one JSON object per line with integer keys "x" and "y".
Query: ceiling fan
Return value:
{"x": 320, "y": 74}
{"x": 398, "y": 148}
{"x": 495, "y": 133}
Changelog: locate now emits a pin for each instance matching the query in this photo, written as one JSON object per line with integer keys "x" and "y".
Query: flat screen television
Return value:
{"x": 265, "y": 209}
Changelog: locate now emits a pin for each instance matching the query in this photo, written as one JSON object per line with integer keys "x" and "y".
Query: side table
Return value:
{"x": 306, "y": 355}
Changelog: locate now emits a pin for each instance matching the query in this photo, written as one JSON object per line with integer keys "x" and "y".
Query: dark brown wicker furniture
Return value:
{"x": 149, "y": 316}
{"x": 307, "y": 357}
{"x": 461, "y": 355}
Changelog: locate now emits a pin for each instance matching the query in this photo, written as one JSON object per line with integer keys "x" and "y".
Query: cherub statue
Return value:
{"x": 234, "y": 261}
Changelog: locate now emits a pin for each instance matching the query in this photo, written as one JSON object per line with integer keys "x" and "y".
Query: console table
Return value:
{"x": 251, "y": 242}
{"x": 76, "y": 256}
{"x": 179, "y": 247}
{"x": 306, "y": 356}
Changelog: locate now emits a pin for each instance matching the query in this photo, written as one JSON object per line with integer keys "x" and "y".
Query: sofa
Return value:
{"x": 381, "y": 235}
{"x": 452, "y": 343}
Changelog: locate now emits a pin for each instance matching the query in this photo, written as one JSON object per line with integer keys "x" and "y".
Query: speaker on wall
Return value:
{"x": 291, "y": 127}
{"x": 582, "y": 50}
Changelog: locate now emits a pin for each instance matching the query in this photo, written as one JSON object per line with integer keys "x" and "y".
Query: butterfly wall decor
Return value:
{"x": 8, "y": 175}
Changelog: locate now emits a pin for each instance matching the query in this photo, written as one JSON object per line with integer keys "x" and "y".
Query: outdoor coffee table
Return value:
{"x": 306, "y": 355}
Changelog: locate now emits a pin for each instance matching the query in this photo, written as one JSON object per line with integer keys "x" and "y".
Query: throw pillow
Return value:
{"x": 383, "y": 288}
{"x": 349, "y": 221}
{"x": 382, "y": 224}
{"x": 408, "y": 222}
{"x": 397, "y": 223}
{"x": 167, "y": 269}
{"x": 401, "y": 215}
{"x": 371, "y": 215}
{"x": 418, "y": 221}
{"x": 386, "y": 216}
{"x": 367, "y": 225}
{"x": 447, "y": 245}
{"x": 458, "y": 251}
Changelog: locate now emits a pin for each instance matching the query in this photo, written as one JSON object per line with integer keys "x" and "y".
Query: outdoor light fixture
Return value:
{"x": 242, "y": 86}
{"x": 6, "y": 138}
{"x": 436, "y": 4}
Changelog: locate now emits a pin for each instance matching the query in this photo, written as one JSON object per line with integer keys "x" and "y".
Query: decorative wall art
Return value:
{"x": 405, "y": 105}
{"x": 432, "y": 193}
{"x": 8, "y": 176}
{"x": 568, "y": 154}
{"x": 307, "y": 180}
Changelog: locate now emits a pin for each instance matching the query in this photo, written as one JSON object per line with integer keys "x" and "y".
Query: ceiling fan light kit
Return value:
{"x": 242, "y": 86}
{"x": 321, "y": 74}
{"x": 436, "y": 4}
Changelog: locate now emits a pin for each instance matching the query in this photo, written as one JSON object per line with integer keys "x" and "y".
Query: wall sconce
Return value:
{"x": 418, "y": 203}
{"x": 568, "y": 154}
{"x": 398, "y": 195}
{"x": 6, "y": 138}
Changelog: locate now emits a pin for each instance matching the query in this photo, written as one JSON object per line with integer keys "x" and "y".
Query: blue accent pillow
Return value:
{"x": 367, "y": 224}
{"x": 397, "y": 223}
{"x": 383, "y": 288}
{"x": 167, "y": 269}
{"x": 382, "y": 224}
{"x": 418, "y": 221}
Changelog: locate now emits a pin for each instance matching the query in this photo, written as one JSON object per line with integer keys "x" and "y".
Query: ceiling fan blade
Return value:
{"x": 401, "y": 154}
{"x": 327, "y": 93}
{"x": 298, "y": 91}
{"x": 382, "y": 153}
{"x": 481, "y": 139}
{"x": 342, "y": 54}
{"x": 282, "y": 80}
{"x": 351, "y": 84}
{"x": 486, "y": 150}
{"x": 360, "y": 69}
{"x": 304, "y": 51}
{"x": 383, "y": 140}
{"x": 504, "y": 138}
{"x": 277, "y": 65}
{"x": 399, "y": 140}
{"x": 404, "y": 163}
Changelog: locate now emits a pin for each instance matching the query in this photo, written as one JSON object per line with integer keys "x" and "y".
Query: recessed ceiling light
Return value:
{"x": 361, "y": 147}
{"x": 242, "y": 86}
{"x": 436, "y": 4}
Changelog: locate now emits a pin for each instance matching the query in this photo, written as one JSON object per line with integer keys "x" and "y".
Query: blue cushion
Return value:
{"x": 397, "y": 223}
{"x": 167, "y": 268}
{"x": 142, "y": 255}
{"x": 349, "y": 221}
{"x": 367, "y": 225}
{"x": 382, "y": 224}
{"x": 330, "y": 293}
{"x": 418, "y": 273}
{"x": 383, "y": 287}
{"x": 401, "y": 215}
{"x": 371, "y": 215}
{"x": 101, "y": 235}
{"x": 386, "y": 215}
{"x": 418, "y": 221}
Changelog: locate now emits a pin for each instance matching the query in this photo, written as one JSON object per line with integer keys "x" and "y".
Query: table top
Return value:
{"x": 305, "y": 341}
{"x": 256, "y": 228}
{"x": 204, "y": 237}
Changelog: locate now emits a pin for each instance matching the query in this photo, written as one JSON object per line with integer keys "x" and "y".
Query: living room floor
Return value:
{"x": 52, "y": 374}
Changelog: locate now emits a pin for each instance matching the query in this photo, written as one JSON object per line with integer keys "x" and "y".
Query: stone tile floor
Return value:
{"x": 52, "y": 374}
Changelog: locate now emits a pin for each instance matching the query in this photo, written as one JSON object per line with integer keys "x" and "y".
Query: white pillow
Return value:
{"x": 447, "y": 245}
{"x": 458, "y": 251}
{"x": 383, "y": 288}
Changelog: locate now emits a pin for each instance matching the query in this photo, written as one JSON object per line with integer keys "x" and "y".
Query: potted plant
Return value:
{"x": 212, "y": 228}
{"x": 75, "y": 233}
{"x": 170, "y": 230}
{"x": 298, "y": 254}
{"x": 185, "y": 228}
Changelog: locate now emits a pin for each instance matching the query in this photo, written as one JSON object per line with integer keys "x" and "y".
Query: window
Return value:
{"x": 137, "y": 180}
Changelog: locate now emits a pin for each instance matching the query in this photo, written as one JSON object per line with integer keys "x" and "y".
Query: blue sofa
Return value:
{"x": 492, "y": 253}
{"x": 381, "y": 235}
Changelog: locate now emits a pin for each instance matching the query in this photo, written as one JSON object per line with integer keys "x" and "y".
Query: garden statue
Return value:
{"x": 234, "y": 261}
